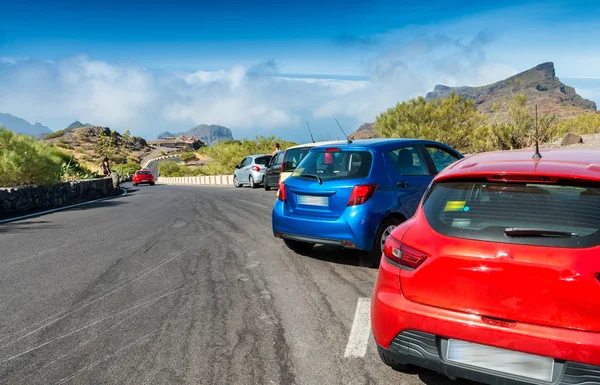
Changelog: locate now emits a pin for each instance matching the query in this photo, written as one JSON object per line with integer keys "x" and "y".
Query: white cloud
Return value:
{"x": 250, "y": 100}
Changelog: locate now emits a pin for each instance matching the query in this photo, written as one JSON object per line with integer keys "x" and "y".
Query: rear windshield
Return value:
{"x": 144, "y": 172}
{"x": 335, "y": 165}
{"x": 293, "y": 157}
{"x": 262, "y": 159}
{"x": 564, "y": 215}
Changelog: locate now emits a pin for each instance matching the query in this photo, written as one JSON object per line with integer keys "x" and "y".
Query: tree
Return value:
{"x": 187, "y": 156}
{"x": 454, "y": 121}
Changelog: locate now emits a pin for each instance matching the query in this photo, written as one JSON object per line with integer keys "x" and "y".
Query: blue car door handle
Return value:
{"x": 402, "y": 184}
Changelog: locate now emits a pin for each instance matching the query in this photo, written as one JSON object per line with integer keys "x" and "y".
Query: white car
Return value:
{"x": 294, "y": 155}
{"x": 251, "y": 170}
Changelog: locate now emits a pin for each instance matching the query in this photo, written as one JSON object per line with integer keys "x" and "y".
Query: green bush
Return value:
{"x": 518, "y": 130}
{"x": 454, "y": 121}
{"x": 54, "y": 135}
{"x": 170, "y": 168}
{"x": 127, "y": 168}
{"x": 64, "y": 145}
{"x": 25, "y": 161}
{"x": 187, "y": 157}
{"x": 582, "y": 124}
{"x": 227, "y": 154}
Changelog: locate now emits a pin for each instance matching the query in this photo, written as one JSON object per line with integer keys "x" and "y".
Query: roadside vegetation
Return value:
{"x": 456, "y": 122}
{"x": 26, "y": 161}
{"x": 223, "y": 156}
{"x": 453, "y": 120}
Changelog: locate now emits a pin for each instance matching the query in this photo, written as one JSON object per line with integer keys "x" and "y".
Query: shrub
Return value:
{"x": 187, "y": 157}
{"x": 64, "y": 145}
{"x": 169, "y": 168}
{"x": 25, "y": 161}
{"x": 54, "y": 135}
{"x": 227, "y": 154}
{"x": 582, "y": 124}
{"x": 454, "y": 121}
{"x": 518, "y": 131}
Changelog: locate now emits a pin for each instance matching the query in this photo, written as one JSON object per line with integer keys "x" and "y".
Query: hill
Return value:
{"x": 77, "y": 124}
{"x": 365, "y": 131}
{"x": 210, "y": 134}
{"x": 539, "y": 84}
{"x": 21, "y": 126}
{"x": 84, "y": 144}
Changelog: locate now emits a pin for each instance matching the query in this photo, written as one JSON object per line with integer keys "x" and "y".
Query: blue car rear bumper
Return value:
{"x": 357, "y": 226}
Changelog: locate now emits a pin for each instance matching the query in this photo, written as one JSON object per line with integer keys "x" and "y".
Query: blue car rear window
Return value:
{"x": 339, "y": 165}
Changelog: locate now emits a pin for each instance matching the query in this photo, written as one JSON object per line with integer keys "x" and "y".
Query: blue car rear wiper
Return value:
{"x": 528, "y": 232}
{"x": 313, "y": 176}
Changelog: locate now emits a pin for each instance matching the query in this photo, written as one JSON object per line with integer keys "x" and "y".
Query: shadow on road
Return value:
{"x": 335, "y": 255}
{"x": 429, "y": 377}
{"x": 21, "y": 227}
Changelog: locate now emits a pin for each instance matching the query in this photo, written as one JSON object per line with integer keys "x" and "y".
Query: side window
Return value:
{"x": 245, "y": 162}
{"x": 408, "y": 161}
{"x": 279, "y": 158}
{"x": 441, "y": 158}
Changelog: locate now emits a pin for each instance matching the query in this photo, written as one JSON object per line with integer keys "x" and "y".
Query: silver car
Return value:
{"x": 251, "y": 170}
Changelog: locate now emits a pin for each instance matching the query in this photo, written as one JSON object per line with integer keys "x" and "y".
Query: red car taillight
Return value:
{"x": 361, "y": 193}
{"x": 403, "y": 255}
{"x": 255, "y": 168}
{"x": 283, "y": 162}
{"x": 281, "y": 195}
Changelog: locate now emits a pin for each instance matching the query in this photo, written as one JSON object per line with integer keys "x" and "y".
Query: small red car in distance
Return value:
{"x": 143, "y": 176}
{"x": 496, "y": 278}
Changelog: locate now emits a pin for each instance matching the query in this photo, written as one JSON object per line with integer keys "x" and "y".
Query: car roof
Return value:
{"x": 383, "y": 142}
{"x": 259, "y": 155}
{"x": 317, "y": 144}
{"x": 579, "y": 164}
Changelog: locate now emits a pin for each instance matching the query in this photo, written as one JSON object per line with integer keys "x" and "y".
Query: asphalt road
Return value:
{"x": 179, "y": 285}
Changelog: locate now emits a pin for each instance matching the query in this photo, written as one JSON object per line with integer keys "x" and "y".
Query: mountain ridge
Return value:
{"x": 210, "y": 134}
{"x": 540, "y": 84}
{"x": 22, "y": 126}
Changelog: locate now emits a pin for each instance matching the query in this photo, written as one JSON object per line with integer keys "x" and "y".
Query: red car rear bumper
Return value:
{"x": 392, "y": 313}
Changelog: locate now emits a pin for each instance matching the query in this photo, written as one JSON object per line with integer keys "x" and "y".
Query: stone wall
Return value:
{"x": 30, "y": 199}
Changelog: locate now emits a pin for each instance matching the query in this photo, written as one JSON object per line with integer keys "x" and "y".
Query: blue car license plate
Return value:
{"x": 313, "y": 200}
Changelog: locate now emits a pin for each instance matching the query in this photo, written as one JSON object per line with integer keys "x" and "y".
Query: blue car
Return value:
{"x": 353, "y": 194}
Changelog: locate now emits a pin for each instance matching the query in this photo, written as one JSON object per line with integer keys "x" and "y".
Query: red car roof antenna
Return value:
{"x": 537, "y": 154}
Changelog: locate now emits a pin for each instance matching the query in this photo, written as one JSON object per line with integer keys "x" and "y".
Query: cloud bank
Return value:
{"x": 250, "y": 100}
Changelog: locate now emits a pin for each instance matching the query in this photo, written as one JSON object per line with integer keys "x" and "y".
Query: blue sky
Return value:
{"x": 266, "y": 67}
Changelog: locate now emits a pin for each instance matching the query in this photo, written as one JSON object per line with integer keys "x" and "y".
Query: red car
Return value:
{"x": 497, "y": 276}
{"x": 143, "y": 176}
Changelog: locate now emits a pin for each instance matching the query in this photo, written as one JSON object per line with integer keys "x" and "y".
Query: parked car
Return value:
{"x": 294, "y": 155}
{"x": 251, "y": 170}
{"x": 273, "y": 171}
{"x": 496, "y": 278}
{"x": 354, "y": 194}
{"x": 143, "y": 176}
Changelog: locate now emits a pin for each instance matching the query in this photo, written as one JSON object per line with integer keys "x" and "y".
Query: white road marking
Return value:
{"x": 361, "y": 329}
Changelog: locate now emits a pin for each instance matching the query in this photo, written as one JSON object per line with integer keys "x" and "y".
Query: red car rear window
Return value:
{"x": 561, "y": 215}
